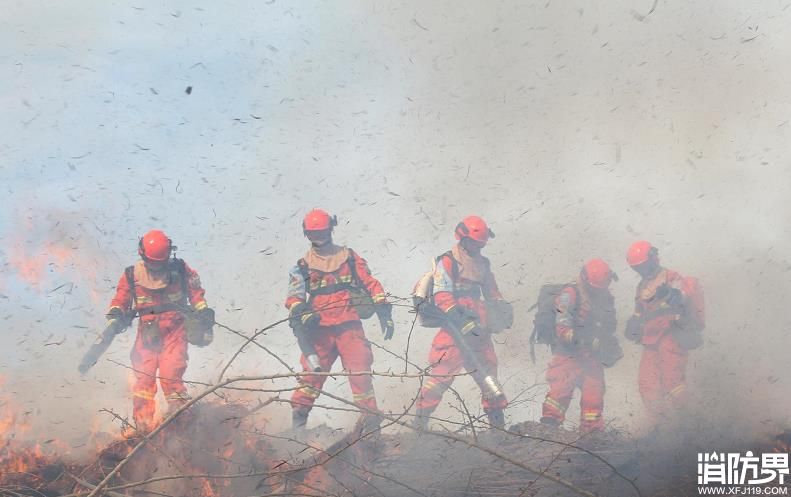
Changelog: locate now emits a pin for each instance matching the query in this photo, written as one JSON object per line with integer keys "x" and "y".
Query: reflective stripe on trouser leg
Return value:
{"x": 650, "y": 381}
{"x": 673, "y": 364}
{"x": 592, "y": 396}
{"x": 175, "y": 401}
{"x": 173, "y": 364}
{"x": 177, "y": 397}
{"x": 591, "y": 420}
{"x": 677, "y": 394}
{"x": 305, "y": 395}
{"x": 144, "y": 394}
{"x": 310, "y": 386}
{"x": 356, "y": 355}
{"x": 554, "y": 409}
{"x": 144, "y": 391}
{"x": 432, "y": 391}
{"x": 365, "y": 399}
{"x": 445, "y": 360}
{"x": 143, "y": 409}
{"x": 591, "y": 416}
{"x": 562, "y": 375}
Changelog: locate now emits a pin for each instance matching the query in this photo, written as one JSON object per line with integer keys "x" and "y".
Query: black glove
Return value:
{"x": 675, "y": 300}
{"x": 464, "y": 319}
{"x": 385, "y": 314}
{"x": 570, "y": 338}
{"x": 302, "y": 316}
{"x": 634, "y": 329}
{"x": 208, "y": 336}
{"x": 499, "y": 315}
{"x": 124, "y": 319}
{"x": 584, "y": 338}
{"x": 608, "y": 351}
{"x": 672, "y": 297}
{"x": 205, "y": 316}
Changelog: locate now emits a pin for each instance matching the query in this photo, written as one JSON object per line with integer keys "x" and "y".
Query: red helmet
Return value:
{"x": 318, "y": 220}
{"x": 155, "y": 246}
{"x": 475, "y": 228}
{"x": 597, "y": 273}
{"x": 639, "y": 252}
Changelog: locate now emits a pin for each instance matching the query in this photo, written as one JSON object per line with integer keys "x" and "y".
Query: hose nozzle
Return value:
{"x": 313, "y": 362}
{"x": 494, "y": 390}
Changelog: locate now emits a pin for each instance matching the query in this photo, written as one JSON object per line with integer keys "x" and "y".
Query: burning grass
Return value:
{"x": 206, "y": 453}
{"x": 219, "y": 450}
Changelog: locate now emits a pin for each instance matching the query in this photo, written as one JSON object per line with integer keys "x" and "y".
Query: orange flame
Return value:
{"x": 15, "y": 458}
{"x": 207, "y": 490}
{"x": 41, "y": 255}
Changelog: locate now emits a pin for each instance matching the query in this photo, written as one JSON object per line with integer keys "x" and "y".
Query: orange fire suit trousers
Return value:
{"x": 348, "y": 341}
{"x": 446, "y": 359}
{"x": 167, "y": 353}
{"x": 566, "y": 373}
{"x": 662, "y": 376}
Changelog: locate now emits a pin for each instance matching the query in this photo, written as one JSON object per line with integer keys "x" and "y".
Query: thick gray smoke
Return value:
{"x": 574, "y": 129}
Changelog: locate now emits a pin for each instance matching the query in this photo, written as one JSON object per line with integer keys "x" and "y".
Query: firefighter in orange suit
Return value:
{"x": 321, "y": 313}
{"x": 662, "y": 324}
{"x": 159, "y": 289}
{"x": 463, "y": 284}
{"x": 585, "y": 327}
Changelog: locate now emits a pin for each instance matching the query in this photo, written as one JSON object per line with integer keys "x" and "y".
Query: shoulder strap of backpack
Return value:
{"x": 488, "y": 264}
{"x": 579, "y": 296}
{"x": 130, "y": 280}
{"x": 356, "y": 281}
{"x": 304, "y": 270}
{"x": 352, "y": 262}
{"x": 454, "y": 265}
{"x": 302, "y": 265}
{"x": 534, "y": 335}
{"x": 181, "y": 270}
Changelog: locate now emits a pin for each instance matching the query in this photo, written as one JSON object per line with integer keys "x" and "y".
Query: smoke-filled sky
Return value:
{"x": 574, "y": 128}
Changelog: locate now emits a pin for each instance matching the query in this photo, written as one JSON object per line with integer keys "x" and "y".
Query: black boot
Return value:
{"x": 299, "y": 418}
{"x": 369, "y": 423}
{"x": 552, "y": 422}
{"x": 496, "y": 417}
{"x": 420, "y": 422}
{"x": 185, "y": 420}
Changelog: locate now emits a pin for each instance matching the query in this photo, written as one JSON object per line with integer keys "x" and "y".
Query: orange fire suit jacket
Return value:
{"x": 328, "y": 293}
{"x": 450, "y": 289}
{"x": 578, "y": 315}
{"x": 656, "y": 306}
{"x": 153, "y": 304}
